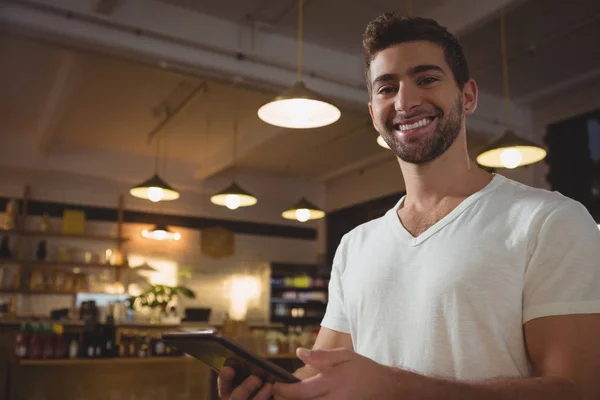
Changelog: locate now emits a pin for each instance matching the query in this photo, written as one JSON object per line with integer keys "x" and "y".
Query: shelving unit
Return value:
{"x": 296, "y": 298}
{"x": 23, "y": 264}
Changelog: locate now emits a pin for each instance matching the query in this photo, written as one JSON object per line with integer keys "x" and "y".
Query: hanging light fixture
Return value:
{"x": 299, "y": 107}
{"x": 303, "y": 211}
{"x": 382, "y": 142}
{"x": 154, "y": 189}
{"x": 233, "y": 196}
{"x": 161, "y": 232}
{"x": 511, "y": 150}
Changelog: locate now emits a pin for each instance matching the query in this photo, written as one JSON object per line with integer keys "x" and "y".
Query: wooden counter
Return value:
{"x": 160, "y": 378}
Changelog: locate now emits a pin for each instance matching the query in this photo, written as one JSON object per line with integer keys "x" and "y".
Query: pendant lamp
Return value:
{"x": 161, "y": 232}
{"x": 154, "y": 189}
{"x": 511, "y": 150}
{"x": 303, "y": 211}
{"x": 233, "y": 196}
{"x": 299, "y": 107}
{"x": 382, "y": 142}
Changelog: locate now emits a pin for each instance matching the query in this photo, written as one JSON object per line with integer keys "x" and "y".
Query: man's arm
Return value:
{"x": 327, "y": 339}
{"x": 565, "y": 352}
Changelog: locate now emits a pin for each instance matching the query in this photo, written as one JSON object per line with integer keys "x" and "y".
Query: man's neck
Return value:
{"x": 451, "y": 175}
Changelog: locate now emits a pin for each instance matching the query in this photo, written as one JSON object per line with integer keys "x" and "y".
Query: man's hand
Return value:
{"x": 251, "y": 387}
{"x": 345, "y": 375}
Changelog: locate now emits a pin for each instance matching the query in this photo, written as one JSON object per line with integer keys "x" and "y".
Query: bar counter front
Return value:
{"x": 140, "y": 366}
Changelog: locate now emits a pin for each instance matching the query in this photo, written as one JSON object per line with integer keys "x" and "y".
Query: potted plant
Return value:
{"x": 157, "y": 298}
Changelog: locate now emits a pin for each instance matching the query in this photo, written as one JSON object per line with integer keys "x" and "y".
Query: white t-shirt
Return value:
{"x": 452, "y": 302}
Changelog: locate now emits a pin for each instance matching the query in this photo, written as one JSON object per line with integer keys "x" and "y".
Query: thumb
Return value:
{"x": 324, "y": 359}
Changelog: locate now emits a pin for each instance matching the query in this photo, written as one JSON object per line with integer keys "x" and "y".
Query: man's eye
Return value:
{"x": 387, "y": 90}
{"x": 428, "y": 81}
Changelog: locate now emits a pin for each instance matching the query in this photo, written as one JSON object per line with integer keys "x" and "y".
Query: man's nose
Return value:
{"x": 407, "y": 98}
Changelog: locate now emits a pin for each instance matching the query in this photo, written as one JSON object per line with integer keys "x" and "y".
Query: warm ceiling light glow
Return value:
{"x": 303, "y": 211}
{"x": 503, "y": 152}
{"x": 154, "y": 189}
{"x": 299, "y": 108}
{"x": 233, "y": 197}
{"x": 511, "y": 157}
{"x": 161, "y": 232}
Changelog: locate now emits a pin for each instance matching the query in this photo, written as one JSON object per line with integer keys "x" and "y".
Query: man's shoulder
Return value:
{"x": 515, "y": 195}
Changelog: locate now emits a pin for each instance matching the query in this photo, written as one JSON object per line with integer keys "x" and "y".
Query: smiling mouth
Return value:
{"x": 409, "y": 127}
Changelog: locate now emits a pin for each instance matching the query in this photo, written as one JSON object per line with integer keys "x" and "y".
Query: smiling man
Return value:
{"x": 472, "y": 286}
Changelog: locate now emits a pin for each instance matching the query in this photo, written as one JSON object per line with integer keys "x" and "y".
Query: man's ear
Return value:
{"x": 470, "y": 95}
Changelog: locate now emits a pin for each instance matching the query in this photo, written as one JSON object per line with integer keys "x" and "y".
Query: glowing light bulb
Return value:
{"x": 160, "y": 235}
{"x": 302, "y": 214}
{"x": 232, "y": 201}
{"x": 511, "y": 158}
{"x": 155, "y": 194}
{"x": 177, "y": 236}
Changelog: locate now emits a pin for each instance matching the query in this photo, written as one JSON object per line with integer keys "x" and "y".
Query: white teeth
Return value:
{"x": 418, "y": 124}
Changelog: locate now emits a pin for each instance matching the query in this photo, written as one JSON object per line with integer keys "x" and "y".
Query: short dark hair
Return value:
{"x": 390, "y": 28}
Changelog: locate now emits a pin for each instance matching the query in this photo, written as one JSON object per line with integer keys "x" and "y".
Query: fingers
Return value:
{"x": 311, "y": 388}
{"x": 246, "y": 389}
{"x": 225, "y": 382}
{"x": 265, "y": 393}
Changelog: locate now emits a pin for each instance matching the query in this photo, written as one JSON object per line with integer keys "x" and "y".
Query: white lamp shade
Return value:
{"x": 299, "y": 108}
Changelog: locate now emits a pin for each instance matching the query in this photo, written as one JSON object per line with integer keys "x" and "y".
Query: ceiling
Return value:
{"x": 83, "y": 110}
{"x": 70, "y": 103}
{"x": 337, "y": 24}
{"x": 549, "y": 42}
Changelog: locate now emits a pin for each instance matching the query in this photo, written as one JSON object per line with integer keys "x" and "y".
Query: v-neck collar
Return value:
{"x": 406, "y": 236}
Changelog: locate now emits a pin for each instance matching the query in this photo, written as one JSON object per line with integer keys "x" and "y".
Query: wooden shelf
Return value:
{"x": 297, "y": 301}
{"x": 46, "y": 292}
{"x": 18, "y": 232}
{"x": 114, "y": 360}
{"x": 69, "y": 264}
{"x": 298, "y": 289}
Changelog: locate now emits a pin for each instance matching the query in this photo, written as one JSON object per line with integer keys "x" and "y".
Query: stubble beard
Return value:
{"x": 420, "y": 150}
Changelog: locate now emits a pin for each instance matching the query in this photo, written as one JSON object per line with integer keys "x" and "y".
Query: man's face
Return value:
{"x": 416, "y": 105}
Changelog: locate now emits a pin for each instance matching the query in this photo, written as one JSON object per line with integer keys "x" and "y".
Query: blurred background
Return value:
{"x": 162, "y": 168}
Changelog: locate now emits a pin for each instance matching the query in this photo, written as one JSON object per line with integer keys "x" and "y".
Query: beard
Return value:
{"x": 420, "y": 150}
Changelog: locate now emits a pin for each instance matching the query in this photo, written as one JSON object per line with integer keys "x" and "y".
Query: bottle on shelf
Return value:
{"x": 34, "y": 349}
{"x": 41, "y": 251}
{"x": 47, "y": 342}
{"x": 22, "y": 342}
{"x": 110, "y": 345}
{"x": 73, "y": 348}
{"x": 60, "y": 344}
{"x": 5, "y": 252}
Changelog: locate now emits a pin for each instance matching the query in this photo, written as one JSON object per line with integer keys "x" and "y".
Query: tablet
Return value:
{"x": 217, "y": 352}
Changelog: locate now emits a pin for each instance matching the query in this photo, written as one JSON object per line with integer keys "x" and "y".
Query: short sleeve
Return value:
{"x": 335, "y": 315}
{"x": 563, "y": 273}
